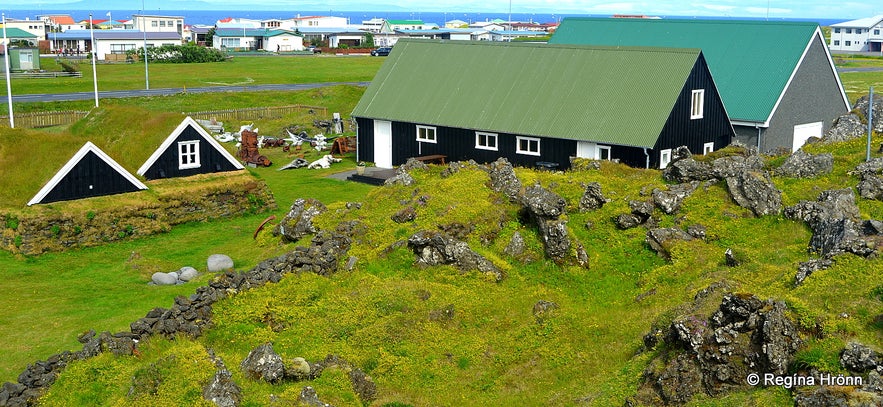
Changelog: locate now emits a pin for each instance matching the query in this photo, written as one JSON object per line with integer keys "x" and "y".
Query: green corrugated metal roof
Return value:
{"x": 609, "y": 95}
{"x": 12, "y": 32}
{"x": 751, "y": 61}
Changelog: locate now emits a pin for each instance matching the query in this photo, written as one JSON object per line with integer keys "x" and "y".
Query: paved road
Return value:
{"x": 55, "y": 97}
{"x": 866, "y": 69}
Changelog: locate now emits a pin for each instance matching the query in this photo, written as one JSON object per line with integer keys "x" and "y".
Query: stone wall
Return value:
{"x": 58, "y": 231}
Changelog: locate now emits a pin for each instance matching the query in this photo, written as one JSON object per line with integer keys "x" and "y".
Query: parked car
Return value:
{"x": 314, "y": 49}
{"x": 381, "y": 52}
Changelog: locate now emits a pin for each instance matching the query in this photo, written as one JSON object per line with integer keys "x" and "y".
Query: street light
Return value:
{"x": 94, "y": 57}
{"x": 144, "y": 33}
{"x": 7, "y": 69}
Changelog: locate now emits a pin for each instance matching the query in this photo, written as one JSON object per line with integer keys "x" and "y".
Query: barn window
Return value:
{"x": 664, "y": 158}
{"x": 527, "y": 145}
{"x": 188, "y": 155}
{"x": 485, "y": 141}
{"x": 708, "y": 148}
{"x": 426, "y": 134}
{"x": 697, "y": 103}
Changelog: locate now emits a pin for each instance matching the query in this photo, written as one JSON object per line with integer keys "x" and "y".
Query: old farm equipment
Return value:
{"x": 248, "y": 150}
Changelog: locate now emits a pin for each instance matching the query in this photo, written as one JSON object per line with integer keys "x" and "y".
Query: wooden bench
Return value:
{"x": 432, "y": 158}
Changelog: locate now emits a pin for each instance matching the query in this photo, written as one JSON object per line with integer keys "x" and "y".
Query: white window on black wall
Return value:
{"x": 697, "y": 104}
{"x": 188, "y": 154}
{"x": 527, "y": 145}
{"x": 485, "y": 141}
{"x": 426, "y": 134}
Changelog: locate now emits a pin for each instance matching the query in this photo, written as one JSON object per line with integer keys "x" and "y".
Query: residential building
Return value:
{"x": 863, "y": 35}
{"x": 241, "y": 39}
{"x": 36, "y": 27}
{"x": 152, "y": 23}
{"x": 778, "y": 93}
{"x": 462, "y": 100}
{"x": 110, "y": 44}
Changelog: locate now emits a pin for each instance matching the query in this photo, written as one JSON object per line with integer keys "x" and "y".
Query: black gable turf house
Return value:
{"x": 539, "y": 104}
{"x": 189, "y": 150}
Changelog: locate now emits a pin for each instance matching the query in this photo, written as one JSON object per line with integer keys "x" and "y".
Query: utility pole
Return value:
{"x": 870, "y": 121}
{"x": 8, "y": 68}
{"x": 94, "y": 57}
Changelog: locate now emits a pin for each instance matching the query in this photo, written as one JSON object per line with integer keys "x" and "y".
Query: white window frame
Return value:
{"x": 528, "y": 151}
{"x": 488, "y": 145}
{"x": 601, "y": 150}
{"x": 708, "y": 148}
{"x": 664, "y": 158}
{"x": 188, "y": 154}
{"x": 231, "y": 42}
{"x": 426, "y": 134}
{"x": 697, "y": 104}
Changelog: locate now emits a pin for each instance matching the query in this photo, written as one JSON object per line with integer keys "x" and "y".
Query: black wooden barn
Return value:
{"x": 189, "y": 150}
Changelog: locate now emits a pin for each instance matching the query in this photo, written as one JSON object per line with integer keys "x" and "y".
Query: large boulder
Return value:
{"x": 755, "y": 190}
{"x": 222, "y": 390}
{"x": 860, "y": 358}
{"x": 543, "y": 203}
{"x": 714, "y": 355}
{"x": 731, "y": 166}
{"x": 299, "y": 220}
{"x": 219, "y": 262}
{"x": 862, "y": 106}
{"x": 669, "y": 201}
{"x": 688, "y": 170}
{"x": 846, "y": 127}
{"x": 592, "y": 198}
{"x": 434, "y": 248}
{"x": 160, "y": 278}
{"x": 804, "y": 165}
{"x": 835, "y": 221}
{"x": 660, "y": 239}
{"x": 503, "y": 179}
{"x": 262, "y": 363}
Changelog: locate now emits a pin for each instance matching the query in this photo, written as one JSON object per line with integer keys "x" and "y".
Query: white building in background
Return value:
{"x": 166, "y": 24}
{"x": 863, "y": 35}
{"x": 36, "y": 27}
{"x": 317, "y": 22}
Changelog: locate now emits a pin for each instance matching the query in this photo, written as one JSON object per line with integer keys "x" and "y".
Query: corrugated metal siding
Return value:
{"x": 680, "y": 130}
{"x": 570, "y": 92}
{"x": 750, "y": 60}
{"x": 90, "y": 171}
{"x": 365, "y": 139}
{"x": 210, "y": 160}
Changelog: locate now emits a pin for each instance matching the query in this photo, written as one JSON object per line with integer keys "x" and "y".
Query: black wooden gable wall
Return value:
{"x": 90, "y": 177}
{"x": 210, "y": 159}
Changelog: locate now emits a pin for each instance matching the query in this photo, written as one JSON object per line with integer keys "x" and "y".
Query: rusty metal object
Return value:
{"x": 248, "y": 150}
{"x": 261, "y": 227}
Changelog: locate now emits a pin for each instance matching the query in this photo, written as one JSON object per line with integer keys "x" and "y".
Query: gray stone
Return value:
{"x": 363, "y": 386}
{"x": 309, "y": 397}
{"x": 298, "y": 369}
{"x": 404, "y": 215}
{"x": 160, "y": 278}
{"x": 871, "y": 187}
{"x": 627, "y": 221}
{"x": 860, "y": 358}
{"x": 433, "y": 248}
{"x": 862, "y": 106}
{"x": 503, "y": 179}
{"x": 555, "y": 237}
{"x": 730, "y": 258}
{"x": 805, "y": 269}
{"x": 669, "y": 201}
{"x": 263, "y": 363}
{"x": 846, "y": 127}
{"x": 187, "y": 273}
{"x": 413, "y": 164}
{"x": 755, "y": 191}
{"x": 299, "y": 220}
{"x": 592, "y": 198}
{"x": 804, "y": 165}
{"x": 219, "y": 262}
{"x": 660, "y": 238}
{"x": 835, "y": 221}
{"x": 401, "y": 178}
{"x": 872, "y": 227}
{"x": 540, "y": 202}
{"x": 515, "y": 247}
{"x": 543, "y": 309}
{"x": 642, "y": 209}
{"x": 732, "y": 166}
{"x": 688, "y": 170}
{"x": 222, "y": 390}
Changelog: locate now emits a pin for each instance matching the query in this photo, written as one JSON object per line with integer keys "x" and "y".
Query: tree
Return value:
{"x": 209, "y": 37}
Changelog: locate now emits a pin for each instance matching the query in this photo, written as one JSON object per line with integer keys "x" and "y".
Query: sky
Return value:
{"x": 725, "y": 8}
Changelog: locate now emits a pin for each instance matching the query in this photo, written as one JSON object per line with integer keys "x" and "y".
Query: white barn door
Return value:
{"x": 383, "y": 144}
{"x": 803, "y": 132}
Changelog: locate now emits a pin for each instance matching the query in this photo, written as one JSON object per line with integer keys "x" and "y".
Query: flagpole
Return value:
{"x": 94, "y": 57}
{"x": 144, "y": 33}
{"x": 7, "y": 69}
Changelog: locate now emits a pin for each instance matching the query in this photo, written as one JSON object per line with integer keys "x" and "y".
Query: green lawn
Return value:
{"x": 238, "y": 71}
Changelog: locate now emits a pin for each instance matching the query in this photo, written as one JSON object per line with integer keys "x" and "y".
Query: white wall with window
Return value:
{"x": 664, "y": 158}
{"x": 697, "y": 104}
{"x": 486, "y": 141}
{"x": 188, "y": 154}
{"x": 592, "y": 151}
{"x": 708, "y": 148}
{"x": 527, "y": 145}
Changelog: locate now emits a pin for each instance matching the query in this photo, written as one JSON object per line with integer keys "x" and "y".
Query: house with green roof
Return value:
{"x": 776, "y": 78}
{"x": 539, "y": 104}
{"x": 266, "y": 39}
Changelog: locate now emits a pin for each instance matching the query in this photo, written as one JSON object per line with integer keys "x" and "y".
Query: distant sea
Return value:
{"x": 210, "y": 17}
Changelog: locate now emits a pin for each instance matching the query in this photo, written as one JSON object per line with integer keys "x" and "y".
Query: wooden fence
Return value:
{"x": 38, "y": 75}
{"x": 44, "y": 119}
{"x": 257, "y": 113}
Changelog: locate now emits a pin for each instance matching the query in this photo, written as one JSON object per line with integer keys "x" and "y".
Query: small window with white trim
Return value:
{"x": 708, "y": 148}
{"x": 188, "y": 154}
{"x": 697, "y": 104}
{"x": 485, "y": 141}
{"x": 604, "y": 153}
{"x": 426, "y": 134}
{"x": 664, "y": 158}
{"x": 527, "y": 145}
